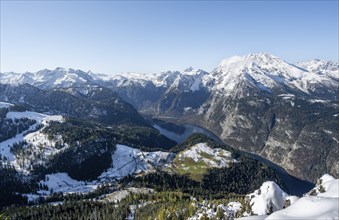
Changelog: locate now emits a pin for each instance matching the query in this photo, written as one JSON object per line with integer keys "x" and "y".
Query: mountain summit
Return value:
{"x": 267, "y": 73}
{"x": 258, "y": 103}
{"x": 263, "y": 71}
{"x": 47, "y": 79}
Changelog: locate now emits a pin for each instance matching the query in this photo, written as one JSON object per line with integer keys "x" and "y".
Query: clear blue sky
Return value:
{"x": 149, "y": 36}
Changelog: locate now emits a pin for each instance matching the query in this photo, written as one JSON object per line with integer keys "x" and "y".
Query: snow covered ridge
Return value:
{"x": 319, "y": 66}
{"x": 129, "y": 161}
{"x": 322, "y": 202}
{"x": 196, "y": 160}
{"x": 263, "y": 70}
{"x": 126, "y": 161}
{"x": 201, "y": 152}
{"x": 266, "y": 72}
{"x": 46, "y": 79}
{"x": 37, "y": 142}
{"x": 190, "y": 79}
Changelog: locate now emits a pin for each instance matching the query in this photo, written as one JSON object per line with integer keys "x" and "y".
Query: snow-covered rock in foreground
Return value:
{"x": 325, "y": 178}
{"x": 269, "y": 198}
{"x": 325, "y": 205}
{"x": 322, "y": 202}
{"x": 325, "y": 187}
{"x": 309, "y": 208}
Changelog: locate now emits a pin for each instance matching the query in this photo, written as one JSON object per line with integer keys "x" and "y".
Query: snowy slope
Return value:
{"x": 321, "y": 67}
{"x": 126, "y": 79}
{"x": 39, "y": 143}
{"x": 61, "y": 182}
{"x": 127, "y": 160}
{"x": 188, "y": 80}
{"x": 196, "y": 160}
{"x": 201, "y": 152}
{"x": 324, "y": 205}
{"x": 39, "y": 117}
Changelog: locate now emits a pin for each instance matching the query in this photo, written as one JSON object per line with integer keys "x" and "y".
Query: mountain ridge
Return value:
{"x": 61, "y": 77}
{"x": 258, "y": 103}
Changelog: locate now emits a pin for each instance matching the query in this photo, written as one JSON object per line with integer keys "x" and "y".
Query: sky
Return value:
{"x": 153, "y": 36}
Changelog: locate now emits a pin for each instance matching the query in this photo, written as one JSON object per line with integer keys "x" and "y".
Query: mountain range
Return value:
{"x": 259, "y": 103}
{"x": 126, "y": 145}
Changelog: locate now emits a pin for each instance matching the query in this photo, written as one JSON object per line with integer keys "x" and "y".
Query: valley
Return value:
{"x": 195, "y": 143}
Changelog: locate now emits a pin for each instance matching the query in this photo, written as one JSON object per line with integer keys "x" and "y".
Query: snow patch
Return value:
{"x": 309, "y": 208}
{"x": 62, "y": 182}
{"x": 127, "y": 160}
{"x": 39, "y": 117}
{"x": 5, "y": 105}
{"x": 210, "y": 210}
{"x": 216, "y": 157}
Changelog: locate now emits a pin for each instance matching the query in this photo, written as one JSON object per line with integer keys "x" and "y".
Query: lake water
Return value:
{"x": 293, "y": 185}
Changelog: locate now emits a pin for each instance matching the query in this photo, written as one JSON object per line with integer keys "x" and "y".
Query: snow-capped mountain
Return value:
{"x": 262, "y": 70}
{"x": 47, "y": 79}
{"x": 267, "y": 73}
{"x": 259, "y": 103}
{"x": 175, "y": 92}
{"x": 321, "y": 66}
{"x": 160, "y": 92}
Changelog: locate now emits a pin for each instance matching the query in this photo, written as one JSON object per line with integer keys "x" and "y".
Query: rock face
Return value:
{"x": 258, "y": 103}
{"x": 278, "y": 111}
{"x": 264, "y": 105}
